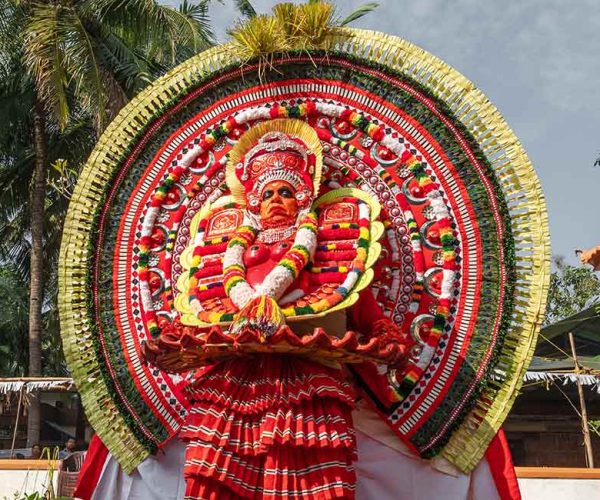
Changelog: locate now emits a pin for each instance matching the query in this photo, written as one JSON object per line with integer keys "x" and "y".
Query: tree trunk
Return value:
{"x": 36, "y": 291}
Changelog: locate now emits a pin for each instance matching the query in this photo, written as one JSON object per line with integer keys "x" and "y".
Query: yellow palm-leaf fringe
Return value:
{"x": 310, "y": 26}
{"x": 499, "y": 144}
{"x": 260, "y": 37}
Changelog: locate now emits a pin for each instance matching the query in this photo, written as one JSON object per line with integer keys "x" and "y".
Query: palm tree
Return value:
{"x": 14, "y": 323}
{"x": 70, "y": 63}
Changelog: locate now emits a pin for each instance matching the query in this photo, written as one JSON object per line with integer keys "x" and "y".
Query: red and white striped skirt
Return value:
{"x": 270, "y": 426}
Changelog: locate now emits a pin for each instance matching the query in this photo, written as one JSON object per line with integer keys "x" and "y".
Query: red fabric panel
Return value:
{"x": 91, "y": 469}
{"x": 502, "y": 468}
{"x": 365, "y": 312}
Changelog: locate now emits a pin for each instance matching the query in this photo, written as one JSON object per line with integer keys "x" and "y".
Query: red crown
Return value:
{"x": 277, "y": 157}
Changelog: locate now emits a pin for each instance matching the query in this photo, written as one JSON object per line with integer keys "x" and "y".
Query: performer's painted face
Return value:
{"x": 278, "y": 205}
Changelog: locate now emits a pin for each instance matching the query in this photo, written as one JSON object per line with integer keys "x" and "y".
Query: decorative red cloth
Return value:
{"x": 502, "y": 468}
{"x": 270, "y": 426}
{"x": 91, "y": 469}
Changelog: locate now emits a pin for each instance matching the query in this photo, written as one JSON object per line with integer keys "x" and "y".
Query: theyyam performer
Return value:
{"x": 308, "y": 263}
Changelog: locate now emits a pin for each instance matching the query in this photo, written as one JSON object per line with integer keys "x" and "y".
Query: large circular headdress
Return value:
{"x": 465, "y": 258}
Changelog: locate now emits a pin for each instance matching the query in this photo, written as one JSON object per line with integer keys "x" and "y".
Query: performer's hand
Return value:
{"x": 391, "y": 337}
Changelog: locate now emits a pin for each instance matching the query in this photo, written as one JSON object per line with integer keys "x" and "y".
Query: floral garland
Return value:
{"x": 284, "y": 273}
{"x": 399, "y": 390}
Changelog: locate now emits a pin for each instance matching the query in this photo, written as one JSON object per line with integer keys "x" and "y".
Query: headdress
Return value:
{"x": 284, "y": 149}
{"x": 392, "y": 122}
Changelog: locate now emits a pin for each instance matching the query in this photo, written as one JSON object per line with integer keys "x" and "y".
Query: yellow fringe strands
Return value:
{"x": 310, "y": 26}
{"x": 261, "y": 36}
{"x": 307, "y": 26}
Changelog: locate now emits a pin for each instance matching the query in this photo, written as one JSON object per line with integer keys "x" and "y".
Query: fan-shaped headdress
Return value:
{"x": 465, "y": 259}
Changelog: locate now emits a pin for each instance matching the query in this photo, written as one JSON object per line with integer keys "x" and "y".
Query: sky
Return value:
{"x": 538, "y": 61}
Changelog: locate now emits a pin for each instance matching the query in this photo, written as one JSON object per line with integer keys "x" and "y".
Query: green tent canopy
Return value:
{"x": 553, "y": 352}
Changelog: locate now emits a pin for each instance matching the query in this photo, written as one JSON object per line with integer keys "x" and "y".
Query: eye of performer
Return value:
{"x": 285, "y": 192}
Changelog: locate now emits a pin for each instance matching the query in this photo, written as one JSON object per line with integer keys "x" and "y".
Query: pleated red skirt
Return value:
{"x": 270, "y": 426}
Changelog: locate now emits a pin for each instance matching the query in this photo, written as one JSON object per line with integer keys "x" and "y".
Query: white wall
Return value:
{"x": 560, "y": 489}
{"x": 24, "y": 482}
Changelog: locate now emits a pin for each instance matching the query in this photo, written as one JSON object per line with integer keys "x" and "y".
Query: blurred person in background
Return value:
{"x": 36, "y": 452}
{"x": 68, "y": 449}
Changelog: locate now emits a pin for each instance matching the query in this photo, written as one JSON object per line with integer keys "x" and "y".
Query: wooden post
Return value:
{"x": 12, "y": 446}
{"x": 587, "y": 442}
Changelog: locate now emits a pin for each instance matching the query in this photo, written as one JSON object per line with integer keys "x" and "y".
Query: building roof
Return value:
{"x": 553, "y": 352}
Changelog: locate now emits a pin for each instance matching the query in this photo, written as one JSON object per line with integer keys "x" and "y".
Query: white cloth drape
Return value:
{"x": 383, "y": 473}
{"x": 386, "y": 474}
{"x": 157, "y": 478}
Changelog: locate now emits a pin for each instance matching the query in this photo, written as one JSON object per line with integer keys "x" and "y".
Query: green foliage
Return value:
{"x": 94, "y": 53}
{"x": 14, "y": 321}
{"x": 14, "y": 318}
{"x": 30, "y": 496}
{"x": 359, "y": 12}
{"x": 83, "y": 60}
{"x": 66, "y": 151}
{"x": 572, "y": 289}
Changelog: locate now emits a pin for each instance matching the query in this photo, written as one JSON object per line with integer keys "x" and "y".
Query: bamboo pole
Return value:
{"x": 12, "y": 446}
{"x": 587, "y": 441}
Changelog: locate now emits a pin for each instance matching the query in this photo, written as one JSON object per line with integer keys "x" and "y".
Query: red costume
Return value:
{"x": 273, "y": 426}
{"x": 322, "y": 269}
{"x": 268, "y": 424}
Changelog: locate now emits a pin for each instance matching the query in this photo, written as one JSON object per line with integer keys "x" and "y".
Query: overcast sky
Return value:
{"x": 538, "y": 61}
